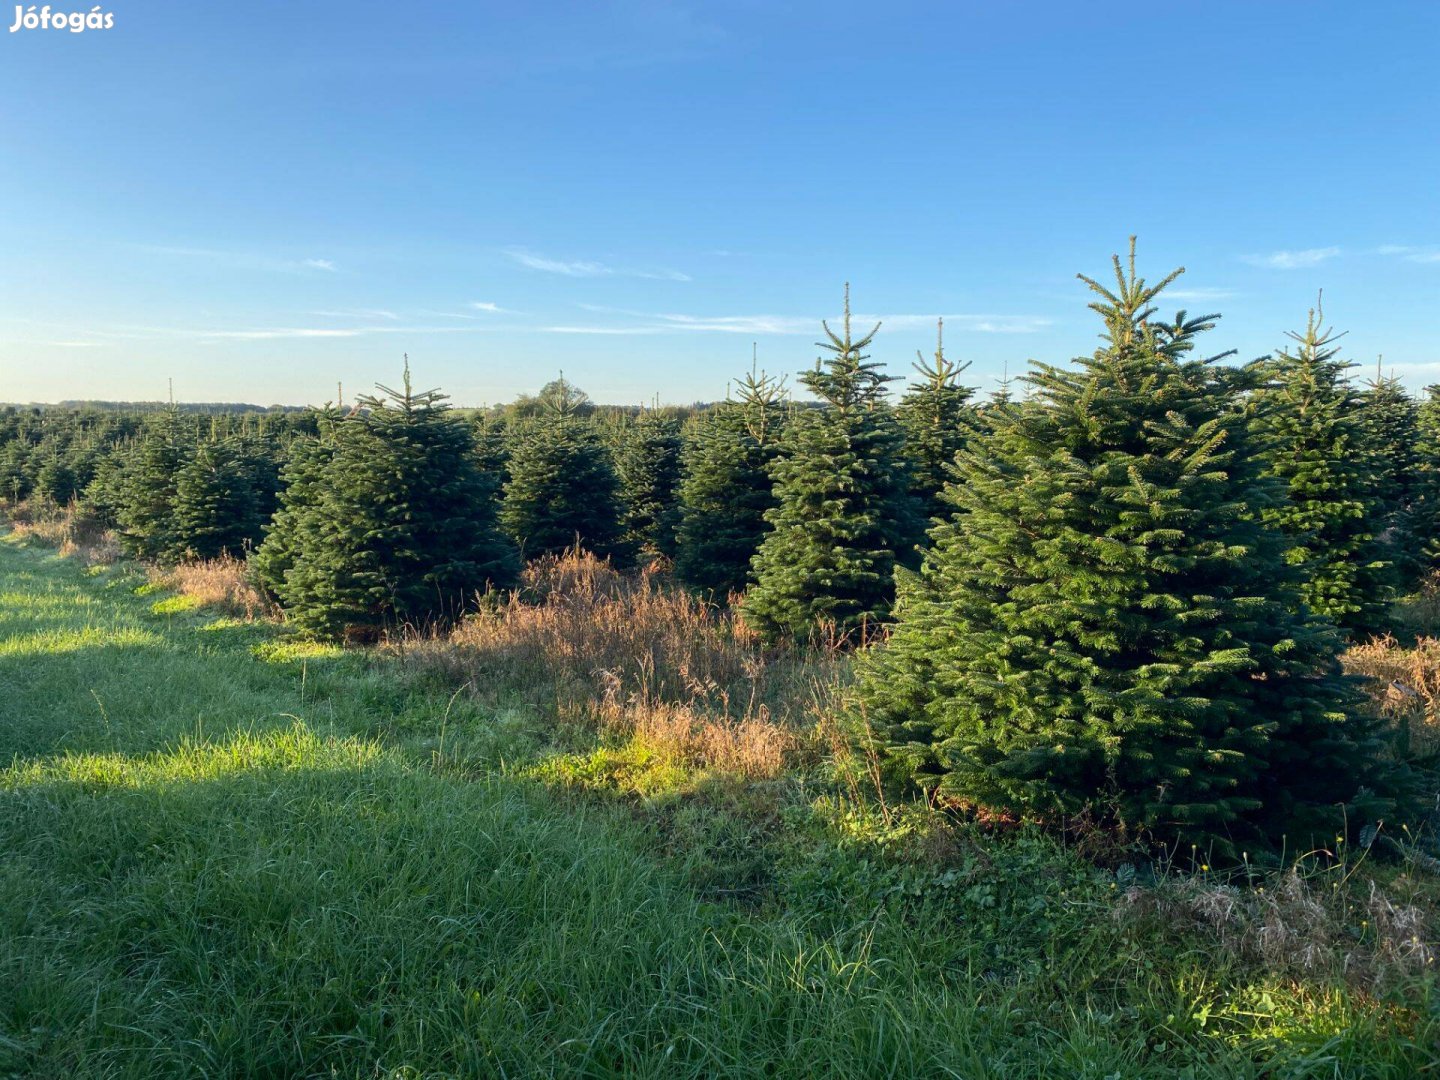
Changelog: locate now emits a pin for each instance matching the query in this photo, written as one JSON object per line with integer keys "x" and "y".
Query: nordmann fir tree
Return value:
{"x": 1105, "y": 627}
{"x": 1424, "y": 512}
{"x": 1313, "y": 436}
{"x": 395, "y": 526}
{"x": 299, "y": 522}
{"x": 1390, "y": 418}
{"x": 145, "y": 497}
{"x": 844, "y": 516}
{"x": 562, "y": 488}
{"x": 727, "y": 488}
{"x": 936, "y": 418}
{"x": 217, "y": 509}
{"x": 647, "y": 467}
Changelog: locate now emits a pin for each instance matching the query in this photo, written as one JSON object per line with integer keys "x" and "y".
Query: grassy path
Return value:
{"x": 223, "y": 855}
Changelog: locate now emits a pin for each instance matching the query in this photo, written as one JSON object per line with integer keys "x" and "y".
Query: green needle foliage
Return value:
{"x": 937, "y": 419}
{"x": 647, "y": 466}
{"x": 844, "y": 517}
{"x": 1105, "y": 628}
{"x": 392, "y": 523}
{"x": 1425, "y": 507}
{"x": 1392, "y": 439}
{"x": 217, "y": 508}
{"x": 727, "y": 488}
{"x": 299, "y": 523}
{"x": 145, "y": 512}
{"x": 1314, "y": 440}
{"x": 562, "y": 488}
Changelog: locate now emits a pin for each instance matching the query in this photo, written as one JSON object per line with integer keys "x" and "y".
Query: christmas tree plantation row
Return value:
{"x": 1122, "y": 596}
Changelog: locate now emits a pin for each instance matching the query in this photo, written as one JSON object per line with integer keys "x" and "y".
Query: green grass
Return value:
{"x": 225, "y": 853}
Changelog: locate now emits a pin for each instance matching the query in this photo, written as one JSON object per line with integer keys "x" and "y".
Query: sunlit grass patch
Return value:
{"x": 633, "y": 768}
{"x": 296, "y": 747}
{"x": 294, "y": 650}
{"x": 175, "y": 605}
{"x": 54, "y": 641}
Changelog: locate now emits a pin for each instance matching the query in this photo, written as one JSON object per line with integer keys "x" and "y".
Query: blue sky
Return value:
{"x": 258, "y": 200}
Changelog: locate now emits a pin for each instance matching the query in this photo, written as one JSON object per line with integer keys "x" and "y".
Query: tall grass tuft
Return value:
{"x": 225, "y": 584}
{"x": 69, "y": 529}
{"x": 633, "y": 655}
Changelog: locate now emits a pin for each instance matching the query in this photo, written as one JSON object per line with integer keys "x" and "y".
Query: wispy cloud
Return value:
{"x": 268, "y": 333}
{"x": 272, "y": 334}
{"x": 486, "y": 306}
{"x": 585, "y": 268}
{"x": 1201, "y": 294}
{"x": 976, "y": 324}
{"x": 358, "y": 313}
{"x": 603, "y": 330}
{"x": 1410, "y": 253}
{"x": 241, "y": 260}
{"x": 1292, "y": 260}
{"x": 799, "y": 325}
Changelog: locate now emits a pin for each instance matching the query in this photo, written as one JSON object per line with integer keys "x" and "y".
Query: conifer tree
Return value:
{"x": 1390, "y": 418}
{"x": 844, "y": 516}
{"x": 647, "y": 467}
{"x": 16, "y": 477}
{"x": 55, "y": 478}
{"x": 562, "y": 488}
{"x": 936, "y": 419}
{"x": 1314, "y": 441}
{"x": 727, "y": 488}
{"x": 1107, "y": 628}
{"x": 216, "y": 510}
{"x": 299, "y": 523}
{"x": 392, "y": 523}
{"x": 1424, "y": 513}
{"x": 145, "y": 511}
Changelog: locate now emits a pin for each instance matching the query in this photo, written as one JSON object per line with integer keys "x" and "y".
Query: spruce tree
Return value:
{"x": 936, "y": 418}
{"x": 1314, "y": 441}
{"x": 844, "y": 517}
{"x": 391, "y": 524}
{"x": 1106, "y": 628}
{"x": 562, "y": 488}
{"x": 727, "y": 488}
{"x": 647, "y": 468}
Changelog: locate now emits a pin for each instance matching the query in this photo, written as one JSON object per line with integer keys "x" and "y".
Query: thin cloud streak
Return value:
{"x": 1292, "y": 260}
{"x": 1201, "y": 294}
{"x": 807, "y": 324}
{"x": 241, "y": 260}
{"x": 584, "y": 268}
{"x": 1410, "y": 253}
{"x": 361, "y": 313}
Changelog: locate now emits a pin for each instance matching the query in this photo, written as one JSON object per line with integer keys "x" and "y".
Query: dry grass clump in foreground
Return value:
{"x": 71, "y": 532}
{"x": 633, "y": 655}
{"x": 1404, "y": 686}
{"x": 1299, "y": 923}
{"x": 222, "y": 583}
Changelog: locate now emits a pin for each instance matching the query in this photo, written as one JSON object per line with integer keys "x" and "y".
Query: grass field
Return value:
{"x": 226, "y": 853}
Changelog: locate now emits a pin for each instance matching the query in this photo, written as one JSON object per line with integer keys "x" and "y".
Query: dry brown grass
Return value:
{"x": 1298, "y": 923}
{"x": 1404, "y": 686}
{"x": 634, "y": 656}
{"x": 72, "y": 533}
{"x": 222, "y": 583}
